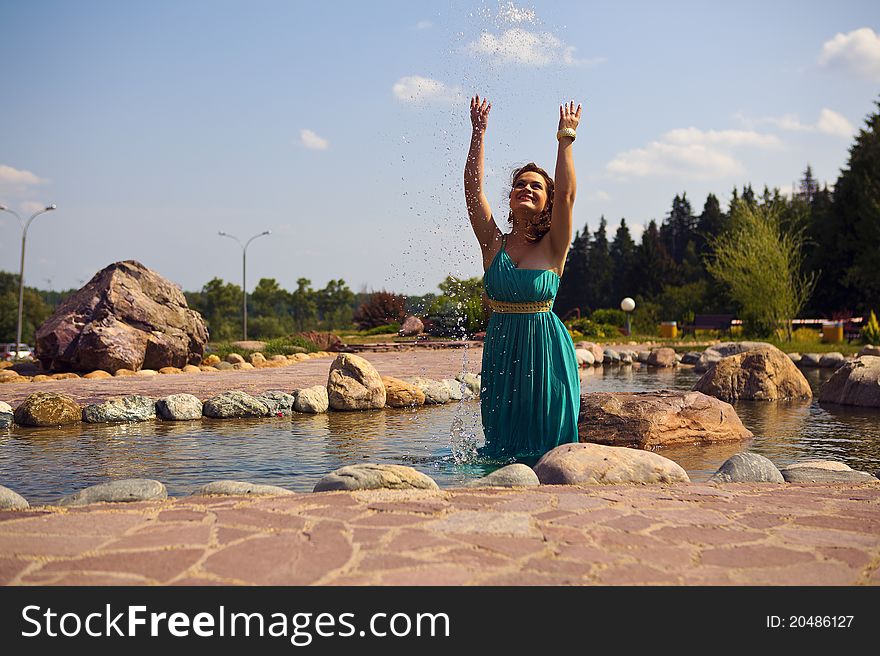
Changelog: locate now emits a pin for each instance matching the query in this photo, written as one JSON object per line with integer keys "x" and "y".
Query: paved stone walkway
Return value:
{"x": 757, "y": 534}
{"x": 429, "y": 363}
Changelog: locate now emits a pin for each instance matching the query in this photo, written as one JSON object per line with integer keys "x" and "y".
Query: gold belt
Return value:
{"x": 520, "y": 308}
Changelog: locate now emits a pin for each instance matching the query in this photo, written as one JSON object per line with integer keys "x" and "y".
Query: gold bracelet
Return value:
{"x": 566, "y": 132}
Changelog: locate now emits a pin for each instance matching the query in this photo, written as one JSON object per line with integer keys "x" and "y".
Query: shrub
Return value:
{"x": 589, "y": 328}
{"x": 609, "y": 316}
{"x": 870, "y": 333}
{"x": 382, "y": 308}
{"x": 387, "y": 329}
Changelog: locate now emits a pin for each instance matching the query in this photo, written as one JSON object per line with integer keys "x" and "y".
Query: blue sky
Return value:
{"x": 342, "y": 127}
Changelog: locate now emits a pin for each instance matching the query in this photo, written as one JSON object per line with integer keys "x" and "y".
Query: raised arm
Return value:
{"x": 478, "y": 208}
{"x": 565, "y": 184}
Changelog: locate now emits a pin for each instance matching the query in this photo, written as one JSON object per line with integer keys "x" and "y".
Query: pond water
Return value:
{"x": 44, "y": 464}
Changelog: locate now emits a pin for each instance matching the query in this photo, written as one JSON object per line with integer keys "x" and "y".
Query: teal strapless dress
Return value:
{"x": 530, "y": 396}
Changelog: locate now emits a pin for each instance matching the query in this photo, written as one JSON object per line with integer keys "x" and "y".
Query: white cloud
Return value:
{"x": 519, "y": 46}
{"x": 857, "y": 51}
{"x": 11, "y": 176}
{"x": 417, "y": 89}
{"x": 830, "y": 122}
{"x": 600, "y": 196}
{"x": 424, "y": 25}
{"x": 690, "y": 153}
{"x": 723, "y": 137}
{"x": 312, "y": 141}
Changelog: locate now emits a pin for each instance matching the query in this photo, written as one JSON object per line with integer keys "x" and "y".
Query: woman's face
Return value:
{"x": 529, "y": 192}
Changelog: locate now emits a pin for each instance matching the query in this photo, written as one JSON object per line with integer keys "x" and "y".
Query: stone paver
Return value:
{"x": 549, "y": 535}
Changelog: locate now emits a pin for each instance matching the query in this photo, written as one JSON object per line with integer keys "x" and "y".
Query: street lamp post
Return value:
{"x": 628, "y": 305}
{"x": 24, "y": 228}
{"x": 244, "y": 275}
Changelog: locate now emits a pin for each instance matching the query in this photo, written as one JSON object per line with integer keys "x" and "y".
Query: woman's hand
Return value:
{"x": 480, "y": 113}
{"x": 569, "y": 117}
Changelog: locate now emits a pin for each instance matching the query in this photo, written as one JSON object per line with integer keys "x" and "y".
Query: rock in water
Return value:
{"x": 714, "y": 353}
{"x": 646, "y": 420}
{"x": 832, "y": 360}
{"x": 591, "y": 464}
{"x": 48, "y": 409}
{"x": 763, "y": 374}
{"x": 234, "y": 404}
{"x": 313, "y": 400}
{"x": 855, "y": 383}
{"x": 435, "y": 391}
{"x": 280, "y": 404}
{"x": 126, "y": 317}
{"x": 179, "y": 407}
{"x": 370, "y": 476}
{"x": 400, "y": 394}
{"x": 127, "y": 408}
{"x": 132, "y": 489}
{"x": 817, "y": 475}
{"x": 747, "y": 468}
{"x": 662, "y": 357}
{"x": 354, "y": 384}
{"x": 6, "y": 415}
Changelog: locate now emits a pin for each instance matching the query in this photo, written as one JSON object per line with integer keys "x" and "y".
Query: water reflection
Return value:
{"x": 44, "y": 464}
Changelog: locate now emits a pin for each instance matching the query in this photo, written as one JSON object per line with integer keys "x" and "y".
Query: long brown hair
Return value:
{"x": 540, "y": 225}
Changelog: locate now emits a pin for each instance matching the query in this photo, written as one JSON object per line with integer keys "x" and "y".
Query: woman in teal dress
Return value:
{"x": 530, "y": 396}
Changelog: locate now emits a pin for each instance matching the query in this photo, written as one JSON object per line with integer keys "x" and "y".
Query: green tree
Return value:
{"x": 573, "y": 286}
{"x": 334, "y": 305}
{"x": 34, "y": 310}
{"x": 600, "y": 280}
{"x": 220, "y": 307}
{"x": 654, "y": 265}
{"x": 761, "y": 266}
{"x": 623, "y": 258}
{"x": 304, "y": 306}
{"x": 709, "y": 224}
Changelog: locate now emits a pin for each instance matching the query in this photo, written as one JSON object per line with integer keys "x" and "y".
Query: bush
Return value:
{"x": 609, "y": 316}
{"x": 388, "y": 329}
{"x": 870, "y": 333}
{"x": 381, "y": 309}
{"x": 589, "y": 328}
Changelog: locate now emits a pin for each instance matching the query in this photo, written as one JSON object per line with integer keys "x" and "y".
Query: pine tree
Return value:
{"x": 710, "y": 224}
{"x": 809, "y": 187}
{"x": 654, "y": 265}
{"x": 573, "y": 286}
{"x": 600, "y": 279}
{"x": 623, "y": 258}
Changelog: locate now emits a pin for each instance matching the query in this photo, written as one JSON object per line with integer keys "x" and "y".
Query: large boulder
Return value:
{"x": 368, "y": 476}
{"x": 412, "y": 326}
{"x": 594, "y": 464}
{"x": 126, "y": 317}
{"x": 763, "y": 374}
{"x": 240, "y": 489}
{"x": 48, "y": 409}
{"x": 646, "y": 420}
{"x": 354, "y": 384}
{"x": 714, "y": 353}
{"x": 855, "y": 383}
